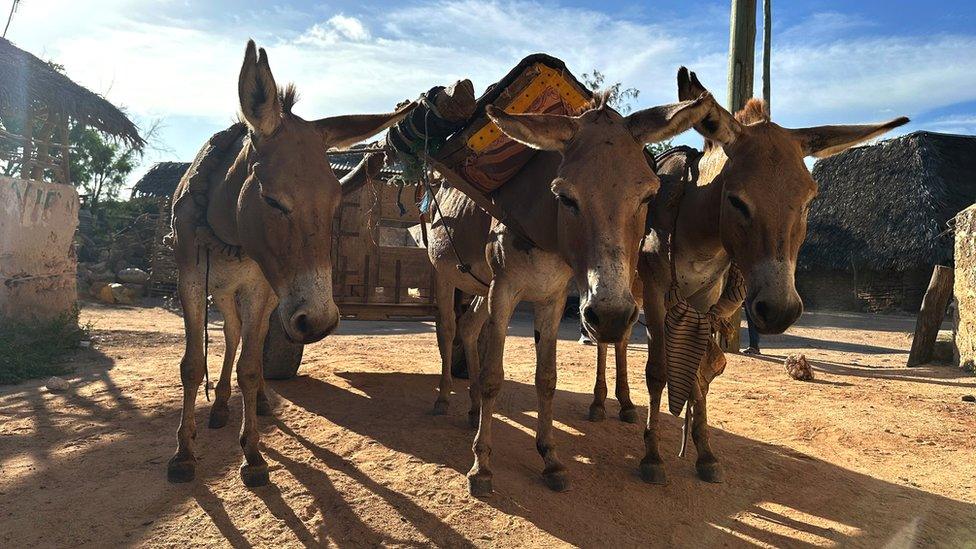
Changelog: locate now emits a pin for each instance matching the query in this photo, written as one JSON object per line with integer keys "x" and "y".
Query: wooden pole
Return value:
{"x": 767, "y": 50}
{"x": 26, "y": 163}
{"x": 742, "y": 60}
{"x": 931, "y": 315}
{"x": 742, "y": 53}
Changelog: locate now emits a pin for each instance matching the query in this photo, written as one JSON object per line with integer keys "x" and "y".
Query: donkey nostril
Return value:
{"x": 300, "y": 322}
{"x": 591, "y": 317}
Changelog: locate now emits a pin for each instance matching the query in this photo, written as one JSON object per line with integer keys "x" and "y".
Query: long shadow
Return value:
{"x": 947, "y": 376}
{"x": 608, "y": 497}
{"x": 790, "y": 341}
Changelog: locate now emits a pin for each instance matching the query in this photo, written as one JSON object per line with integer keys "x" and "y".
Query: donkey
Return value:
{"x": 270, "y": 194}
{"x": 749, "y": 208}
{"x": 582, "y": 202}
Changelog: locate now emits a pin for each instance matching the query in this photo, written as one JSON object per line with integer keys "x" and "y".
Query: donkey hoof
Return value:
{"x": 254, "y": 475}
{"x": 218, "y": 417}
{"x": 557, "y": 481}
{"x": 264, "y": 408}
{"x": 441, "y": 407}
{"x": 653, "y": 473}
{"x": 182, "y": 470}
{"x": 710, "y": 471}
{"x": 628, "y": 415}
{"x": 474, "y": 419}
{"x": 480, "y": 485}
{"x": 597, "y": 413}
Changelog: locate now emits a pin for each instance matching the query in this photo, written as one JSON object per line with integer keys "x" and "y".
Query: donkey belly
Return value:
{"x": 459, "y": 238}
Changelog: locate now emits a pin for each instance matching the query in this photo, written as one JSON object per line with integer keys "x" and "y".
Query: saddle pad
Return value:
{"x": 484, "y": 156}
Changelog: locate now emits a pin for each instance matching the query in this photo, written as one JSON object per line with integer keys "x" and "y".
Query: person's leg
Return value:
{"x": 753, "y": 333}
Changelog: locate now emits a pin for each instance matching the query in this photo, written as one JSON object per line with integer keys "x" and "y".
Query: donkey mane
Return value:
{"x": 599, "y": 102}
{"x": 755, "y": 111}
{"x": 288, "y": 97}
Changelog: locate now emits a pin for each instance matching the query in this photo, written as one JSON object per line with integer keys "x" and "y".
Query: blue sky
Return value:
{"x": 177, "y": 61}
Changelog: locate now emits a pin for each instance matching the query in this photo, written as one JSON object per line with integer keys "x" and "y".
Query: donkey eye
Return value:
{"x": 275, "y": 204}
{"x": 738, "y": 204}
{"x": 568, "y": 202}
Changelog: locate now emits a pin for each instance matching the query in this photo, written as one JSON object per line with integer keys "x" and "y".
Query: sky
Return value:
{"x": 175, "y": 62}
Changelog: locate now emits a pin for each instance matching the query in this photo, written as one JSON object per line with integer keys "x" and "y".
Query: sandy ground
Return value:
{"x": 871, "y": 453}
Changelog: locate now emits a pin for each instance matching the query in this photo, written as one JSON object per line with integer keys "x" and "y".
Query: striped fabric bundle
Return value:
{"x": 687, "y": 336}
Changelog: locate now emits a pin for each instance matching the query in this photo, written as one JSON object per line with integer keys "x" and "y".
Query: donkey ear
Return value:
{"x": 548, "y": 132}
{"x": 342, "y": 131}
{"x": 823, "y": 141}
{"x": 258, "y": 92}
{"x": 665, "y": 121}
{"x": 718, "y": 124}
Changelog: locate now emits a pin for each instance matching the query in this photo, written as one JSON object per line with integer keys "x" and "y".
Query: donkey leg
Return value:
{"x": 256, "y": 306}
{"x": 656, "y": 377}
{"x": 547, "y": 316}
{"x": 502, "y": 298}
{"x": 598, "y": 409}
{"x": 446, "y": 327}
{"x": 628, "y": 412}
{"x": 469, "y": 326}
{"x": 708, "y": 467}
{"x": 193, "y": 299}
{"x": 220, "y": 412}
{"x": 264, "y": 408}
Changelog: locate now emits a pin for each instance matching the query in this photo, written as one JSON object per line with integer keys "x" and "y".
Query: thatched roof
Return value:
{"x": 161, "y": 179}
{"x": 24, "y": 77}
{"x": 886, "y": 206}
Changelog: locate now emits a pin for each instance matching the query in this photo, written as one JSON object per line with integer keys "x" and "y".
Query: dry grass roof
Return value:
{"x": 887, "y": 206}
{"x": 161, "y": 179}
{"x": 24, "y": 77}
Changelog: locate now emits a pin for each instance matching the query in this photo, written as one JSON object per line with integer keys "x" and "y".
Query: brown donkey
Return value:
{"x": 269, "y": 197}
{"x": 582, "y": 201}
{"x": 749, "y": 208}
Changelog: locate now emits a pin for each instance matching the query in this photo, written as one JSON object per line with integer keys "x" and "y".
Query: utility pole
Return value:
{"x": 742, "y": 53}
{"x": 13, "y": 8}
{"x": 767, "y": 48}
{"x": 742, "y": 61}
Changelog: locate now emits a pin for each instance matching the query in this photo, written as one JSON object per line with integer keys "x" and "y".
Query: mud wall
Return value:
{"x": 965, "y": 287}
{"x": 37, "y": 258}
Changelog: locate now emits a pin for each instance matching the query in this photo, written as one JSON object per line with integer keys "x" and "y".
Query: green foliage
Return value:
{"x": 659, "y": 147}
{"x": 99, "y": 166}
{"x": 619, "y": 96}
{"x": 117, "y": 226}
{"x": 38, "y": 349}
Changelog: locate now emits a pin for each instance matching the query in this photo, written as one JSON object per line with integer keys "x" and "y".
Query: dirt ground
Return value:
{"x": 872, "y": 453}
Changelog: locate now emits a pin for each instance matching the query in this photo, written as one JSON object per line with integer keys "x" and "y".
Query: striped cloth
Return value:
{"x": 688, "y": 335}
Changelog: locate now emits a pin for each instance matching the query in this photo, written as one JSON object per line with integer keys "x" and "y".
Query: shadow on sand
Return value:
{"x": 771, "y": 491}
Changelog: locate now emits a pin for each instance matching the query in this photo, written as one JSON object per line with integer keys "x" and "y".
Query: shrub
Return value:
{"x": 38, "y": 349}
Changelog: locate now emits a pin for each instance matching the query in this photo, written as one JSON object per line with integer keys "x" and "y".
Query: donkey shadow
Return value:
{"x": 770, "y": 493}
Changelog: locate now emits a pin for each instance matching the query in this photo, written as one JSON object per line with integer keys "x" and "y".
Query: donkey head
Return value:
{"x": 766, "y": 194}
{"x": 603, "y": 185}
{"x": 285, "y": 209}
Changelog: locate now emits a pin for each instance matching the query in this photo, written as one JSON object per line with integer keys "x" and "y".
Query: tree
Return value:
{"x": 619, "y": 98}
{"x": 99, "y": 166}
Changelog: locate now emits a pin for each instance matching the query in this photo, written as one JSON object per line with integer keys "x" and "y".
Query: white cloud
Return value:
{"x": 336, "y": 29}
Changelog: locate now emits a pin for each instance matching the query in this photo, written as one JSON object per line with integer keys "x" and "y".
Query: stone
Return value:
{"x": 798, "y": 368}
{"x": 944, "y": 348}
{"x": 133, "y": 276}
{"x": 103, "y": 293}
{"x": 124, "y": 295}
{"x": 964, "y": 289}
{"x": 103, "y": 276}
{"x": 57, "y": 385}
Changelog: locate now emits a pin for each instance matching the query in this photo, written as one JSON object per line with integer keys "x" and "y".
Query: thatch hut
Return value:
{"x": 881, "y": 221}
{"x": 38, "y": 205}
{"x": 161, "y": 180}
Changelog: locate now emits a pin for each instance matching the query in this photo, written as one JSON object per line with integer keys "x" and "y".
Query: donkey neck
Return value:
{"x": 224, "y": 193}
{"x": 698, "y": 226}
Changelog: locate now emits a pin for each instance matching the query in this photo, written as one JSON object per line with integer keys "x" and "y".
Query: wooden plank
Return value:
{"x": 931, "y": 315}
